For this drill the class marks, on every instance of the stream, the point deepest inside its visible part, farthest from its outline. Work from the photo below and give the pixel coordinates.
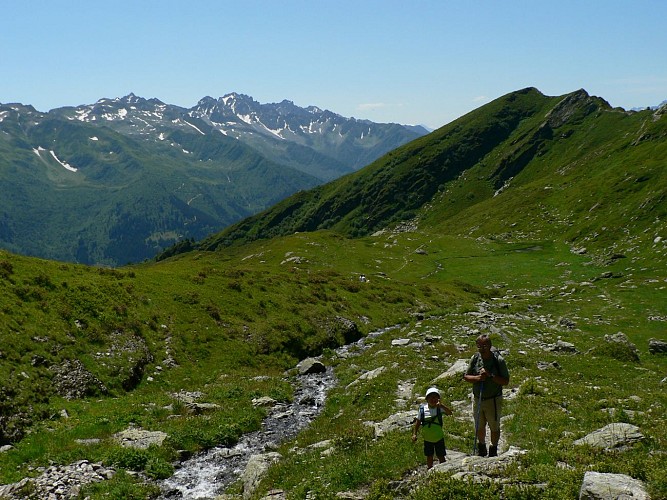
(207, 475)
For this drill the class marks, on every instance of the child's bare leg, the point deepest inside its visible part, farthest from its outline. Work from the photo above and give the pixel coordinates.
(442, 459)
(429, 461)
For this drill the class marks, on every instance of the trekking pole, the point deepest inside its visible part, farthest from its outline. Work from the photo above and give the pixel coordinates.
(479, 409)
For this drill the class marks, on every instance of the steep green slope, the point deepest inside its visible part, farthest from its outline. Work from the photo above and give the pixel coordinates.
(394, 187)
(525, 163)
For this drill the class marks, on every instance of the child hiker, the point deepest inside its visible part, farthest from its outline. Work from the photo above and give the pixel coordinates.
(429, 420)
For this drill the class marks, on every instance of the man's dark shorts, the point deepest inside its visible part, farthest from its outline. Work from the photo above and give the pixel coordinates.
(438, 448)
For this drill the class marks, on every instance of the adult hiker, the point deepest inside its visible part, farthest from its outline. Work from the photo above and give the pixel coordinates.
(488, 374)
(429, 419)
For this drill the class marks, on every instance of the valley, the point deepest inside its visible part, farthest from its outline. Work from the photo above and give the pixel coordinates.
(538, 220)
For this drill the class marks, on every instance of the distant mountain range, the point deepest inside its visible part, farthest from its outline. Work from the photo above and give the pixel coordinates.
(119, 180)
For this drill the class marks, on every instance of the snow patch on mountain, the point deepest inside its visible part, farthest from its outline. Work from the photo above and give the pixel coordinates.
(63, 163)
(188, 123)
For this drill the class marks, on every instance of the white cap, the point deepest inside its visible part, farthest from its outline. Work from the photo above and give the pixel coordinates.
(432, 390)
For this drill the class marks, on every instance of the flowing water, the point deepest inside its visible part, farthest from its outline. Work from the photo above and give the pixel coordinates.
(207, 475)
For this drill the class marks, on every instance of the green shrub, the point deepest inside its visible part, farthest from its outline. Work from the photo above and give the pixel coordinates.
(121, 487)
(158, 468)
(128, 458)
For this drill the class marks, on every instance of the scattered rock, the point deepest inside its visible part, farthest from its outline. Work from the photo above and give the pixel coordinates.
(187, 397)
(71, 380)
(601, 486)
(58, 482)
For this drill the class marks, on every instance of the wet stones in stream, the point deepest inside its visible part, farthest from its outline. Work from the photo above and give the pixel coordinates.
(207, 475)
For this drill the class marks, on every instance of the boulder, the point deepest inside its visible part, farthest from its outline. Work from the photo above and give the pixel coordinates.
(458, 462)
(612, 437)
(561, 346)
(622, 347)
(139, 438)
(402, 420)
(367, 376)
(657, 346)
(263, 401)
(255, 470)
(601, 486)
(201, 408)
(310, 365)
(458, 369)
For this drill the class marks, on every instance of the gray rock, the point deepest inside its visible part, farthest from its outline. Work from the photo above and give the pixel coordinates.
(263, 401)
(657, 346)
(567, 323)
(543, 365)
(311, 365)
(561, 346)
(367, 376)
(139, 438)
(255, 470)
(600, 486)
(621, 338)
(613, 436)
(474, 466)
(456, 370)
(402, 420)
(200, 408)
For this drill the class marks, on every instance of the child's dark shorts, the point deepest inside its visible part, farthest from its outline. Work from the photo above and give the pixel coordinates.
(438, 448)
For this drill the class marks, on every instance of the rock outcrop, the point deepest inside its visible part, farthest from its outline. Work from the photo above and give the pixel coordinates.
(599, 486)
(615, 436)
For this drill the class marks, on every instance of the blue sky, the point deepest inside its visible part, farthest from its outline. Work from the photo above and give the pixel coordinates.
(408, 61)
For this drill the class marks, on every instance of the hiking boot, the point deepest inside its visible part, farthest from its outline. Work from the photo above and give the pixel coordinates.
(481, 449)
(493, 451)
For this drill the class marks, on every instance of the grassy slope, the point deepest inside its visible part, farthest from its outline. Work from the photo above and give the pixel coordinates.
(242, 311)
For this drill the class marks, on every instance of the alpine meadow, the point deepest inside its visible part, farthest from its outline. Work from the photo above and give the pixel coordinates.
(539, 220)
